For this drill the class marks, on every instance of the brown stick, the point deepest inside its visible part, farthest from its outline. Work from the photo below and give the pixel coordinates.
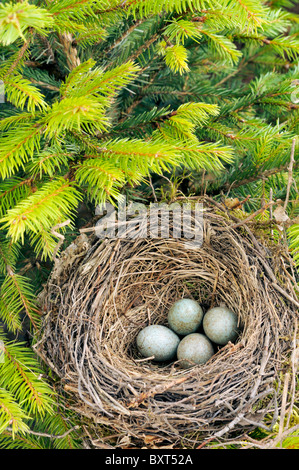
(59, 235)
(239, 203)
(158, 389)
(282, 291)
(70, 51)
(44, 85)
(252, 216)
(283, 406)
(52, 436)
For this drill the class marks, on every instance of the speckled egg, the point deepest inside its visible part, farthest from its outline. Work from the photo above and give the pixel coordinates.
(185, 316)
(158, 341)
(195, 348)
(220, 325)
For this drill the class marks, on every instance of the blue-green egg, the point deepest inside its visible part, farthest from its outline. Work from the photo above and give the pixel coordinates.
(195, 348)
(185, 316)
(158, 341)
(220, 324)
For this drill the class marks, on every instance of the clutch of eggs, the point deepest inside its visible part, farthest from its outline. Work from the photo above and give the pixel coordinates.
(161, 343)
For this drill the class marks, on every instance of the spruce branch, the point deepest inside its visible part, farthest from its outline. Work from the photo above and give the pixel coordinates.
(11, 414)
(21, 379)
(144, 46)
(54, 201)
(17, 149)
(13, 190)
(17, 19)
(17, 296)
(16, 62)
(259, 175)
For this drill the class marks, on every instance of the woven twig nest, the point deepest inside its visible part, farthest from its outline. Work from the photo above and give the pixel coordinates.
(103, 292)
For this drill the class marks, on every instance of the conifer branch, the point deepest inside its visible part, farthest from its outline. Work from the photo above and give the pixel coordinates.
(11, 413)
(18, 58)
(264, 174)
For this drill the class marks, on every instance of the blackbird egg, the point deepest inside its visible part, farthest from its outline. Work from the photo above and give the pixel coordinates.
(220, 325)
(158, 341)
(194, 349)
(185, 316)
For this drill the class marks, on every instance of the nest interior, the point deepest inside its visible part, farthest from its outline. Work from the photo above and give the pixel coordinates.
(103, 292)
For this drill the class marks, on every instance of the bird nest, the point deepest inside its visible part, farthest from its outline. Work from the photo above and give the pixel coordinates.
(102, 292)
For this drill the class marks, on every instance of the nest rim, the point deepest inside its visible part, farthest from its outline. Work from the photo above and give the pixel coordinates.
(94, 316)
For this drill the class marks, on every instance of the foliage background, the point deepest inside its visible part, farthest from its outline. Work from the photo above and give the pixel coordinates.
(154, 100)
